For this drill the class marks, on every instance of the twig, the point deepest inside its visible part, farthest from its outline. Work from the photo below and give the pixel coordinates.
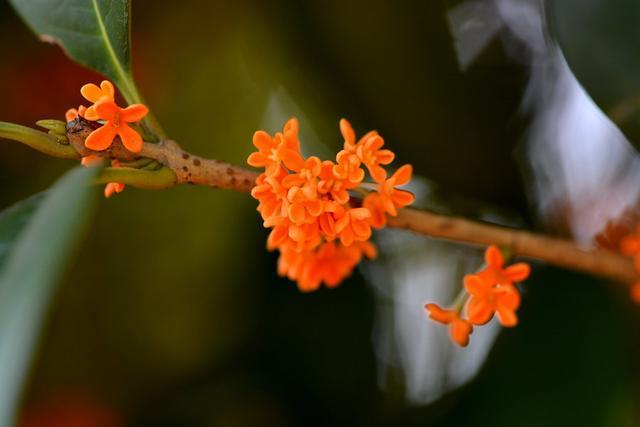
(183, 167)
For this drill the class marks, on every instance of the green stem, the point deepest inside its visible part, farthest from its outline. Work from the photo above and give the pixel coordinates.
(37, 140)
(137, 164)
(150, 180)
(460, 300)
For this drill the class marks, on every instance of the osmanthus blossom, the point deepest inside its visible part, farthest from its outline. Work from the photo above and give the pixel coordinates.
(95, 94)
(114, 122)
(459, 328)
(320, 228)
(491, 291)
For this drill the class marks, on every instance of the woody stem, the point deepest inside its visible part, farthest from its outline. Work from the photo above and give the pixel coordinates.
(180, 167)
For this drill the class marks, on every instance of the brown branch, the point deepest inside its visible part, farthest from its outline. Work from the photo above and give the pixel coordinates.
(555, 251)
(213, 173)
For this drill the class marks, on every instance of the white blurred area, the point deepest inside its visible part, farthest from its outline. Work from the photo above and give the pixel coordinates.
(581, 173)
(583, 170)
(410, 271)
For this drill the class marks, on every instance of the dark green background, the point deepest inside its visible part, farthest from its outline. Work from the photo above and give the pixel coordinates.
(173, 314)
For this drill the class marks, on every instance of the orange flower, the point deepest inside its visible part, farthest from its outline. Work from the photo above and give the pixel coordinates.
(73, 113)
(488, 292)
(329, 264)
(366, 151)
(95, 94)
(332, 185)
(388, 199)
(283, 148)
(112, 188)
(271, 193)
(348, 169)
(352, 225)
(487, 299)
(372, 156)
(91, 160)
(459, 328)
(496, 274)
(117, 120)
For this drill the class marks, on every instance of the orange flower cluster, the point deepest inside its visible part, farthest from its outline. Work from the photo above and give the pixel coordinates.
(490, 291)
(115, 123)
(630, 246)
(321, 231)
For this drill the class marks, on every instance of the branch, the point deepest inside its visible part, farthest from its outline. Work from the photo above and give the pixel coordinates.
(182, 167)
(555, 251)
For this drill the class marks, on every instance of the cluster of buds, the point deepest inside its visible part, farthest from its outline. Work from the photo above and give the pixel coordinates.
(320, 228)
(491, 291)
(114, 122)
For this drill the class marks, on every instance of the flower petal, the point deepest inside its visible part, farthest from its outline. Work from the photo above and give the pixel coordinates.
(507, 317)
(360, 213)
(106, 110)
(517, 272)
(493, 257)
(402, 198)
(101, 138)
(479, 311)
(131, 139)
(91, 160)
(91, 92)
(347, 236)
(297, 213)
(385, 157)
(91, 114)
(107, 89)
(263, 141)
(403, 175)
(134, 113)
(277, 236)
(347, 132)
(291, 125)
(291, 159)
(439, 314)
(475, 285)
(258, 160)
(460, 331)
(377, 173)
(71, 114)
(507, 297)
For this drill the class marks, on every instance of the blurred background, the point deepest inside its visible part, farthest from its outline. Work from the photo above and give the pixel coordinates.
(173, 314)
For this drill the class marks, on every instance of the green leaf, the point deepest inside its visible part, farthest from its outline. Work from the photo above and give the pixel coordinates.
(41, 247)
(599, 39)
(95, 33)
(13, 220)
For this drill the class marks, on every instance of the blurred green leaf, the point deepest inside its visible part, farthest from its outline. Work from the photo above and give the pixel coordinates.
(51, 230)
(13, 220)
(599, 40)
(95, 33)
